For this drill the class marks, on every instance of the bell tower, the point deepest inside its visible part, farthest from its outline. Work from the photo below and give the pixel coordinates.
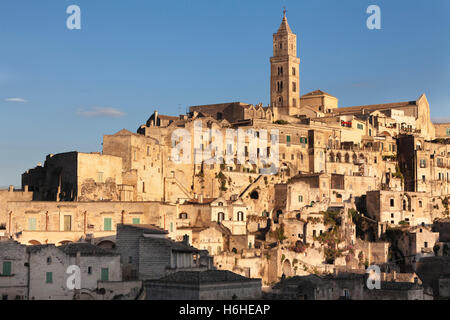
(284, 71)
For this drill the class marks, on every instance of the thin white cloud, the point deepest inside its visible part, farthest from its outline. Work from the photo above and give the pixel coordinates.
(441, 120)
(21, 100)
(104, 112)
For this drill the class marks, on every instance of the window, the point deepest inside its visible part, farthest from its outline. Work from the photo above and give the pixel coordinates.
(49, 277)
(346, 294)
(448, 132)
(183, 215)
(105, 274)
(425, 244)
(136, 221)
(143, 187)
(423, 179)
(280, 71)
(148, 151)
(107, 224)
(6, 268)
(67, 223)
(293, 73)
(240, 216)
(171, 227)
(360, 126)
(100, 177)
(49, 260)
(220, 216)
(300, 198)
(135, 155)
(420, 203)
(288, 141)
(392, 203)
(89, 270)
(392, 215)
(294, 87)
(294, 102)
(32, 224)
(423, 163)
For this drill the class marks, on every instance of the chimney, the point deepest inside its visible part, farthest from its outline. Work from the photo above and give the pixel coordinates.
(25, 188)
(394, 276)
(186, 239)
(11, 188)
(201, 198)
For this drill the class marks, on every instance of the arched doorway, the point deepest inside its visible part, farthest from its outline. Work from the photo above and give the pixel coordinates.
(287, 268)
(106, 244)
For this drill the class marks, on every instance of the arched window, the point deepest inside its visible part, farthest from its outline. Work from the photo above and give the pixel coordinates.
(220, 204)
(240, 216)
(183, 215)
(347, 158)
(220, 216)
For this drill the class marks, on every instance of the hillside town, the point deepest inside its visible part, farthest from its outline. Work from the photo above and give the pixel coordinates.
(295, 200)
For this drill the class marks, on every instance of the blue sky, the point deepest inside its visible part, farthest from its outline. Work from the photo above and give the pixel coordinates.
(61, 90)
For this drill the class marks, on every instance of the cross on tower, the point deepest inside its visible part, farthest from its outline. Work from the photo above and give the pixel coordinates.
(284, 11)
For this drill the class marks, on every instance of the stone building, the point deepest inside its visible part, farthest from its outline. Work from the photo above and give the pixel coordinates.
(11, 195)
(416, 243)
(62, 222)
(397, 207)
(40, 272)
(442, 130)
(76, 176)
(14, 271)
(204, 285)
(147, 253)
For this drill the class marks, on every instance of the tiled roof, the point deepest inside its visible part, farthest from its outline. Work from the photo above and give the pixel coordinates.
(284, 27)
(317, 93)
(174, 245)
(204, 277)
(204, 201)
(390, 285)
(372, 107)
(85, 249)
(37, 248)
(147, 228)
(164, 117)
(304, 281)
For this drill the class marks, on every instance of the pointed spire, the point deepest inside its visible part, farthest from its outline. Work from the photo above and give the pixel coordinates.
(284, 27)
